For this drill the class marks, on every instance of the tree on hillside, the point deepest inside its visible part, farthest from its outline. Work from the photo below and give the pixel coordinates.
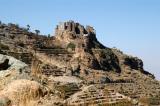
(49, 35)
(28, 27)
(37, 31)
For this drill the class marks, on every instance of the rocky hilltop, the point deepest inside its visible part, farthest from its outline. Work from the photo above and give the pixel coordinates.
(70, 68)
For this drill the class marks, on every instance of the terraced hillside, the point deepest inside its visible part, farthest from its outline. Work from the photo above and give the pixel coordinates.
(72, 68)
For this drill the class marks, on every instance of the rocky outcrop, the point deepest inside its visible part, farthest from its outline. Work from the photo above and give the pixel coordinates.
(107, 60)
(130, 62)
(8, 62)
(134, 63)
(15, 69)
(87, 48)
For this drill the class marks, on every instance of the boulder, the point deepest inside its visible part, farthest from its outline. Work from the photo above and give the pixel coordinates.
(9, 62)
(12, 69)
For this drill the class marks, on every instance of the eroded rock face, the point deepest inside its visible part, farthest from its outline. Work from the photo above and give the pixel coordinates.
(134, 63)
(86, 46)
(107, 60)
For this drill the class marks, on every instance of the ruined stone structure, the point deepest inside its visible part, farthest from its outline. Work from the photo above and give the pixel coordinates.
(74, 27)
(76, 33)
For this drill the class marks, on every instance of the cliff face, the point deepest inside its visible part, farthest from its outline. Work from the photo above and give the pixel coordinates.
(72, 60)
(87, 48)
(90, 51)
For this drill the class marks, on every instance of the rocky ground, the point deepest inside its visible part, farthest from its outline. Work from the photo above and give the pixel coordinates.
(68, 69)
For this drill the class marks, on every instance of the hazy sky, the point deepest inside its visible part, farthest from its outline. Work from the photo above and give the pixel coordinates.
(133, 26)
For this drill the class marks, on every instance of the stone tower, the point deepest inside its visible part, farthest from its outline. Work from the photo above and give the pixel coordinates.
(73, 32)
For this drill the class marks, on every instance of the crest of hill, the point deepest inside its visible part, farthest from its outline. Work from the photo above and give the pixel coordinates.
(88, 51)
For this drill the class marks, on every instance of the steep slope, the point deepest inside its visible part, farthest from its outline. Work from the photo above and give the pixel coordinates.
(87, 48)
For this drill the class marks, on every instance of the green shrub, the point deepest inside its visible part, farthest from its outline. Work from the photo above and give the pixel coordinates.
(71, 45)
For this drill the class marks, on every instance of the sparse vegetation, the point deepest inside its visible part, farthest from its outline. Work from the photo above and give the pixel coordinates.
(37, 31)
(28, 27)
(71, 46)
(49, 36)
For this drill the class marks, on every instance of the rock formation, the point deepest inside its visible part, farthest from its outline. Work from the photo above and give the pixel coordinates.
(87, 48)
(70, 68)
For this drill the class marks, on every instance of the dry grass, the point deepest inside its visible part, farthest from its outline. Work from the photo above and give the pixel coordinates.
(144, 101)
(36, 68)
(29, 103)
(7, 78)
(22, 92)
(36, 71)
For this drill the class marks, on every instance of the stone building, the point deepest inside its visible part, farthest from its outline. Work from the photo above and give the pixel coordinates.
(74, 27)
